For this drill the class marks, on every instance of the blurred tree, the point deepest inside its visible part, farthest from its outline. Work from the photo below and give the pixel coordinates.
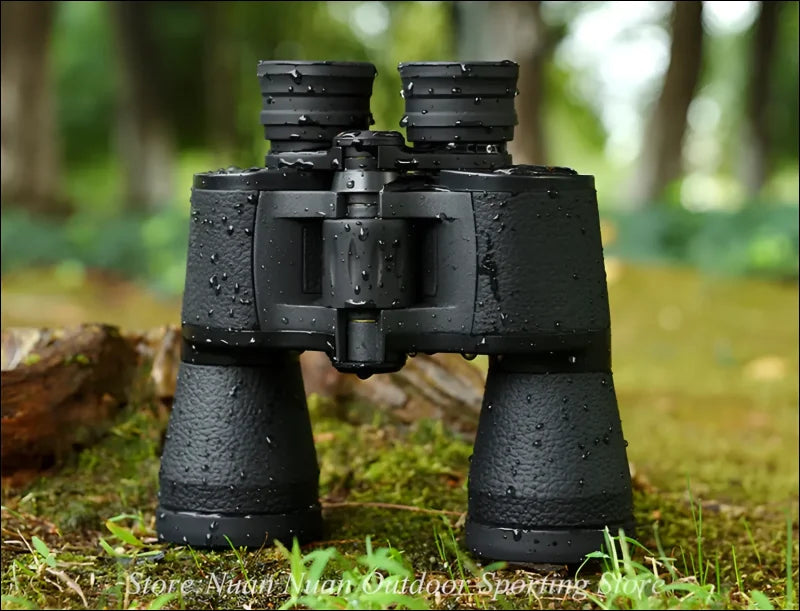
(30, 152)
(661, 158)
(220, 63)
(757, 138)
(145, 139)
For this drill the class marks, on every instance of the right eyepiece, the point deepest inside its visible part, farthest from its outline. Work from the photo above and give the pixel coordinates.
(450, 103)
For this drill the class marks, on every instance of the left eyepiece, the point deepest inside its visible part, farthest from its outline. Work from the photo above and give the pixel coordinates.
(305, 104)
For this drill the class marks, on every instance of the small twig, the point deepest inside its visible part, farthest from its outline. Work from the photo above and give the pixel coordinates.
(391, 506)
(72, 585)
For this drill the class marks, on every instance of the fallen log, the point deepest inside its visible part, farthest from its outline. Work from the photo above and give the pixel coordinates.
(59, 389)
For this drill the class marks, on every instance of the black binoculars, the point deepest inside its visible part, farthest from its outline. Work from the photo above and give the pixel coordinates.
(354, 243)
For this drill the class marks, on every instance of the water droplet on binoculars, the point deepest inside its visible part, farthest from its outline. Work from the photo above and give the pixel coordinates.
(296, 75)
(229, 229)
(510, 491)
(517, 534)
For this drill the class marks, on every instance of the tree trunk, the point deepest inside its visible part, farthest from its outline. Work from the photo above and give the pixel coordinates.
(661, 158)
(756, 144)
(29, 161)
(220, 76)
(512, 30)
(144, 134)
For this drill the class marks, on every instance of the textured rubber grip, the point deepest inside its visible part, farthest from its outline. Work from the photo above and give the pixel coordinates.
(540, 262)
(549, 456)
(239, 444)
(219, 268)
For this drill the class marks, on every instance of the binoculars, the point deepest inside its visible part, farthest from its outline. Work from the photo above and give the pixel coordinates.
(354, 243)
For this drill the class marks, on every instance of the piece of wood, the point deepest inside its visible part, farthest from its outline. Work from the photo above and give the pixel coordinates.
(64, 389)
(440, 386)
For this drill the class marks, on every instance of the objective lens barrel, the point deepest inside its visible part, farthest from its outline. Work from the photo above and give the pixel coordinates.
(461, 103)
(305, 104)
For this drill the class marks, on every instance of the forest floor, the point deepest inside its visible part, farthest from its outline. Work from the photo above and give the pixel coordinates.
(706, 376)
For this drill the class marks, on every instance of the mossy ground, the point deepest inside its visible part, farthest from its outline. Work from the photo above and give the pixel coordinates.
(706, 374)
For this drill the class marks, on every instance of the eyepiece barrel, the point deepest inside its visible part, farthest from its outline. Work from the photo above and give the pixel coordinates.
(448, 102)
(305, 104)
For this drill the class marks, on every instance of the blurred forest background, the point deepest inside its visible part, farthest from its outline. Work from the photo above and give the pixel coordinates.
(686, 112)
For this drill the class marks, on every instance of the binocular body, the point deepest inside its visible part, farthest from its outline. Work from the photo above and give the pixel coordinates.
(350, 242)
